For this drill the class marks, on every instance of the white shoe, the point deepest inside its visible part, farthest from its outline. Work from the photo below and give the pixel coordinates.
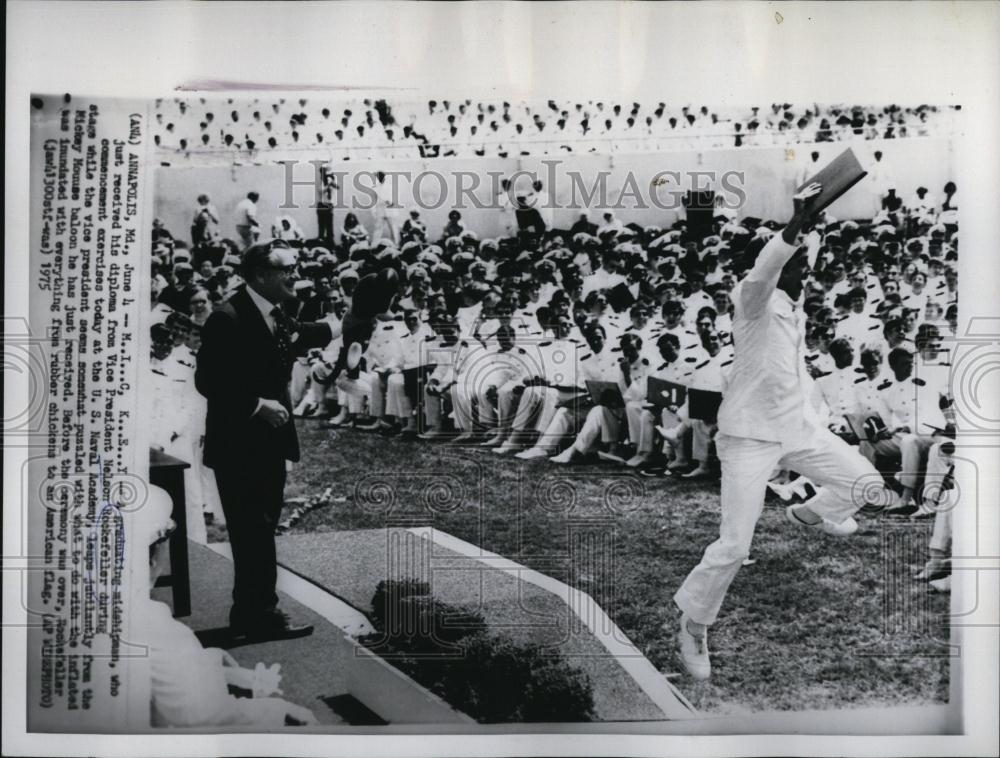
(845, 528)
(532, 453)
(305, 408)
(506, 448)
(566, 456)
(694, 652)
(637, 460)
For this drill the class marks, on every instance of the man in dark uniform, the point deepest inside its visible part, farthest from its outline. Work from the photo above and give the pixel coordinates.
(244, 367)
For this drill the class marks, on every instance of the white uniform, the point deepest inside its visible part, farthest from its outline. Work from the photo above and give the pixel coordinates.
(410, 355)
(837, 390)
(641, 421)
(562, 370)
(767, 420)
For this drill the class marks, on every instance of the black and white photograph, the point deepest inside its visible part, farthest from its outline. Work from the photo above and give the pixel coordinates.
(744, 332)
(510, 407)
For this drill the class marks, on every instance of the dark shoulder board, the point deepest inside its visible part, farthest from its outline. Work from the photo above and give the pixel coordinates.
(703, 363)
(692, 359)
(586, 357)
(918, 381)
(726, 363)
(859, 380)
(885, 385)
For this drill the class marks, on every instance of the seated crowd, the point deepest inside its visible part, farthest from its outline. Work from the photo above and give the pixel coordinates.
(377, 129)
(598, 342)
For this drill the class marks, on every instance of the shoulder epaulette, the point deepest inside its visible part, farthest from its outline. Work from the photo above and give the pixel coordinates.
(586, 357)
(885, 385)
(692, 359)
(859, 380)
(157, 371)
(703, 363)
(726, 363)
(919, 382)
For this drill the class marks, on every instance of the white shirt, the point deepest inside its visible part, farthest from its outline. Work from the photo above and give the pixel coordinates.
(246, 212)
(767, 395)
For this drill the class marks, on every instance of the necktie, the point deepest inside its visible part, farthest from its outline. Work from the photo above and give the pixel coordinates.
(283, 337)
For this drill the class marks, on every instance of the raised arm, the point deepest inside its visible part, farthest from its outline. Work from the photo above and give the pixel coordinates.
(759, 284)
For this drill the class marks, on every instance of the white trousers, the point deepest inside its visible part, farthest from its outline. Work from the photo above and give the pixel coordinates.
(560, 425)
(546, 400)
(396, 402)
(602, 424)
(462, 395)
(513, 411)
(943, 501)
(299, 383)
(356, 391)
(747, 465)
(910, 449)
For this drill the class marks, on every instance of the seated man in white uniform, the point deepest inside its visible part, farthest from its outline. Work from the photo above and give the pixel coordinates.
(560, 379)
(605, 422)
(444, 353)
(599, 365)
(639, 413)
(767, 420)
(708, 376)
(398, 404)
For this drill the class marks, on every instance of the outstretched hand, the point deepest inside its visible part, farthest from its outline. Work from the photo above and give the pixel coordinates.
(804, 213)
(801, 200)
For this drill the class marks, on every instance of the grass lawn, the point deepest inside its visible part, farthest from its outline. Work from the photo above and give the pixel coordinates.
(816, 622)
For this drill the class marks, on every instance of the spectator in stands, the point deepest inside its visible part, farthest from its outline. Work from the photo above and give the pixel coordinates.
(247, 225)
(205, 227)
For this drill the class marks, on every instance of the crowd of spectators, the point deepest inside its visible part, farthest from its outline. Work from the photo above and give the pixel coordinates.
(545, 344)
(367, 129)
(606, 343)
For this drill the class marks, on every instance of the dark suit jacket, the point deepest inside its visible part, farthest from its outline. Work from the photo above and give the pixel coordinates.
(239, 363)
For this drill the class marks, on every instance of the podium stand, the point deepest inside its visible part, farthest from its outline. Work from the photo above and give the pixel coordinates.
(167, 472)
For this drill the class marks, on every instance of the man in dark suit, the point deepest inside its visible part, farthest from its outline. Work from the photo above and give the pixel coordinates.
(244, 365)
